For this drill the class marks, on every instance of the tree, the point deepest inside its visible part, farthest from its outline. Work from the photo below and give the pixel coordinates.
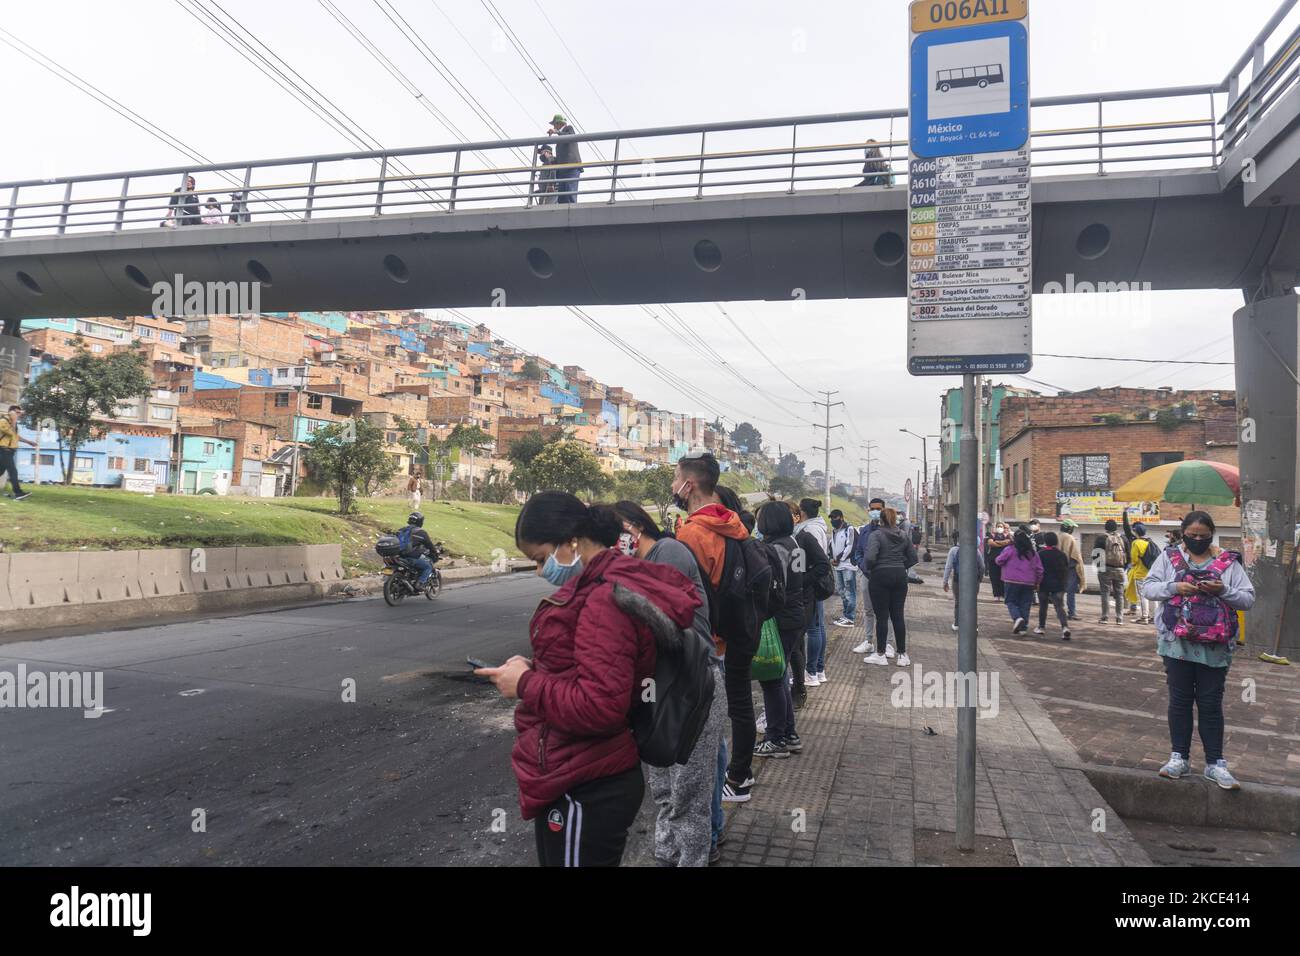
(532, 370)
(521, 454)
(748, 437)
(79, 393)
(349, 456)
(630, 485)
(786, 487)
(658, 484)
(567, 466)
(496, 487)
(840, 490)
(790, 466)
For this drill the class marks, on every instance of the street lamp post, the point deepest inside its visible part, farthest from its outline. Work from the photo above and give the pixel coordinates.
(925, 470)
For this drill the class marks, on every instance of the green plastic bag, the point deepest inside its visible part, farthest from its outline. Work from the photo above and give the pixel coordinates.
(769, 659)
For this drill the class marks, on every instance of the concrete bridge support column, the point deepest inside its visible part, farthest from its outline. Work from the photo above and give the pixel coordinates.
(1267, 342)
(14, 354)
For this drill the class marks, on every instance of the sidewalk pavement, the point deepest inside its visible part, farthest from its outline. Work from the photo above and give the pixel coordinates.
(873, 787)
(1105, 692)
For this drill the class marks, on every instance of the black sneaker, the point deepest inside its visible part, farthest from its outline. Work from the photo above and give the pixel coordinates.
(798, 702)
(793, 743)
(737, 792)
(769, 748)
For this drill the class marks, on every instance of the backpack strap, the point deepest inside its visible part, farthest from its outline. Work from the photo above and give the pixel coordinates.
(1178, 561)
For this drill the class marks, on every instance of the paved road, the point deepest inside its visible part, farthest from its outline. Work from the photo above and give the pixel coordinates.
(244, 718)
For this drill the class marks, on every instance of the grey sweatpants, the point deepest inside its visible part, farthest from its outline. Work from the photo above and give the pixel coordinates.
(684, 793)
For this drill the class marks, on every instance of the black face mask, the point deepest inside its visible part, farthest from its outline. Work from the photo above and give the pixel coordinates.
(1197, 545)
(838, 523)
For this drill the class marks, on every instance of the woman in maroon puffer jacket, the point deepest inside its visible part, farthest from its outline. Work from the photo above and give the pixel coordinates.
(575, 758)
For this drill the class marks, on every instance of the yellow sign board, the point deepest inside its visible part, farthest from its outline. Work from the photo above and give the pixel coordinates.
(941, 14)
(1098, 509)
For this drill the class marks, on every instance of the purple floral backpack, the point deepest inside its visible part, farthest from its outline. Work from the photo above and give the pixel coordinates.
(1203, 618)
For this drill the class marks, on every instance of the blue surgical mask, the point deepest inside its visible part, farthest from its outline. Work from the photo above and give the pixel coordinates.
(875, 515)
(557, 573)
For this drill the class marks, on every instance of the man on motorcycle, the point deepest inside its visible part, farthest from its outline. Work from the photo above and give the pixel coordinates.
(421, 549)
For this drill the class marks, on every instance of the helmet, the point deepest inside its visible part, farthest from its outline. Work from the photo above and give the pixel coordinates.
(415, 518)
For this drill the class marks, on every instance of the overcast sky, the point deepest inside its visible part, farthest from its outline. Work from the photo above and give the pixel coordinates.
(630, 65)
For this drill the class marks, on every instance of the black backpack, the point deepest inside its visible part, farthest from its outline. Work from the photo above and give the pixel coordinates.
(739, 605)
(824, 583)
(1150, 554)
(669, 716)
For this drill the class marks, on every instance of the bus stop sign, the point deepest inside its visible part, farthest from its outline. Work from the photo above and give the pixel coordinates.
(970, 212)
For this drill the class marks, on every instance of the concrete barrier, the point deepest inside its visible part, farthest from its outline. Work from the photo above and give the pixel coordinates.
(1142, 795)
(164, 572)
(221, 571)
(271, 567)
(43, 580)
(6, 602)
(324, 562)
(108, 576)
(41, 592)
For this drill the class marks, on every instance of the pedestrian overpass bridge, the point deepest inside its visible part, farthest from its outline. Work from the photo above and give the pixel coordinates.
(1182, 188)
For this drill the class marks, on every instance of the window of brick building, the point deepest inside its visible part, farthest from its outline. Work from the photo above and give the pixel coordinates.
(142, 465)
(315, 401)
(116, 464)
(1085, 471)
(1154, 459)
(1024, 474)
(281, 399)
(1015, 477)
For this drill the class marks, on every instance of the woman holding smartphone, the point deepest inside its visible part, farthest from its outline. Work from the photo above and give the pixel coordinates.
(575, 758)
(1196, 666)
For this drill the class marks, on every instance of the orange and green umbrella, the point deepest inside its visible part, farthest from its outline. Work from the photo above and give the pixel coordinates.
(1185, 482)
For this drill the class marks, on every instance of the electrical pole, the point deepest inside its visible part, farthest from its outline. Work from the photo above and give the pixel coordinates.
(828, 405)
(967, 616)
(866, 489)
(293, 434)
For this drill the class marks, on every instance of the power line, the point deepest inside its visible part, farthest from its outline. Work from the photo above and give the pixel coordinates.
(1109, 358)
(117, 106)
(754, 344)
(487, 66)
(591, 85)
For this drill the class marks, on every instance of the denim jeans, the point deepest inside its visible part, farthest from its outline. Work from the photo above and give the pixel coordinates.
(566, 185)
(848, 588)
(1019, 599)
(425, 565)
(817, 640)
(1191, 682)
(1071, 589)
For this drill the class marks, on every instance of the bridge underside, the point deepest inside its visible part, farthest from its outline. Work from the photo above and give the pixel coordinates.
(1175, 230)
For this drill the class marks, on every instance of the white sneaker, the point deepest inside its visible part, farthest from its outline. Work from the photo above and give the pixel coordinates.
(863, 647)
(876, 659)
(1038, 630)
(889, 650)
(954, 627)
(821, 677)
(903, 661)
(844, 622)
(761, 723)
(810, 680)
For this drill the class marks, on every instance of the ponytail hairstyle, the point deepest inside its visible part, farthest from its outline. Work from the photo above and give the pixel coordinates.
(889, 518)
(556, 517)
(1024, 544)
(810, 506)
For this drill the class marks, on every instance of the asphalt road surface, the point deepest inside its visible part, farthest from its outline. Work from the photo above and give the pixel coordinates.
(243, 718)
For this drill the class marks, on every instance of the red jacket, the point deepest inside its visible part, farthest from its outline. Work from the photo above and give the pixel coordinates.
(589, 659)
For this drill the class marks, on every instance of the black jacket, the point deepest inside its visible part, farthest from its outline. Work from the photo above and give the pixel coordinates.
(816, 565)
(421, 543)
(567, 152)
(1056, 569)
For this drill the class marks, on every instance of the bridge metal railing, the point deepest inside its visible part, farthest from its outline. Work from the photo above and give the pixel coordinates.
(1096, 134)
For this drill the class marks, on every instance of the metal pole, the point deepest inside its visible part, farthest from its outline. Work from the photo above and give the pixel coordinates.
(967, 619)
(925, 502)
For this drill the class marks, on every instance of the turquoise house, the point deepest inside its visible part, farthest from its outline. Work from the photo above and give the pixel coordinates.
(206, 462)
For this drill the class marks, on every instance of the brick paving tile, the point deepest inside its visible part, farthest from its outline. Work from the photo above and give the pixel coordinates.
(874, 769)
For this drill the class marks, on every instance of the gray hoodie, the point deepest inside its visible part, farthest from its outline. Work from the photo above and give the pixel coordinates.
(890, 548)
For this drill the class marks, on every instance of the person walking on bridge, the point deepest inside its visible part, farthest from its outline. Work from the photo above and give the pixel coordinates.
(568, 157)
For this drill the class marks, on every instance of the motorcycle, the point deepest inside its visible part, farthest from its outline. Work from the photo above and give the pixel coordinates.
(402, 576)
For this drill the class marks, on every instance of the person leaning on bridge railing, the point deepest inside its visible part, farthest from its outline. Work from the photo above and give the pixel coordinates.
(566, 155)
(545, 176)
(183, 207)
(876, 171)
